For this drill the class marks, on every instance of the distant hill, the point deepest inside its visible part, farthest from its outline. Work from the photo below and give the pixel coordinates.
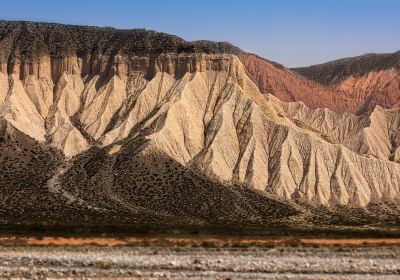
(368, 80)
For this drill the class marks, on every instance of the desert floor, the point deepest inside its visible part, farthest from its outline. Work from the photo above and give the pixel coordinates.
(203, 258)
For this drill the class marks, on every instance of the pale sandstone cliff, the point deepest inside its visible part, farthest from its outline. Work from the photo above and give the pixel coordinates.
(214, 118)
(203, 112)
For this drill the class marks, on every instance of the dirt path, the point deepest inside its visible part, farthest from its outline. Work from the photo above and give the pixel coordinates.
(54, 186)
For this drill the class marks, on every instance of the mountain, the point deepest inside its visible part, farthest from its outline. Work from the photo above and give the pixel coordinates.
(287, 85)
(368, 80)
(106, 126)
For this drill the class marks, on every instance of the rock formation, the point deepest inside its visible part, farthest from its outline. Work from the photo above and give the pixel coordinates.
(287, 85)
(367, 80)
(132, 125)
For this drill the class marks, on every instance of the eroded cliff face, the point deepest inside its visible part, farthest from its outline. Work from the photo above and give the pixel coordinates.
(67, 98)
(204, 112)
(148, 130)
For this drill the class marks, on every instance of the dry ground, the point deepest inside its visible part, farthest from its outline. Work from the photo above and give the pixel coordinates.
(201, 258)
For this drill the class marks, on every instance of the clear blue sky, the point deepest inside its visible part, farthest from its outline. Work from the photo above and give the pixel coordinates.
(292, 32)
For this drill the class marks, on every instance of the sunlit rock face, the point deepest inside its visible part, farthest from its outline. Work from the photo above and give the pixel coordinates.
(197, 105)
(361, 82)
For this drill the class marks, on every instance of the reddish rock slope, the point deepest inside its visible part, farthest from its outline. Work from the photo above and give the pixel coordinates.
(287, 85)
(368, 80)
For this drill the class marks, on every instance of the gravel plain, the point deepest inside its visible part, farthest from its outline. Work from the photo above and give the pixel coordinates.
(135, 262)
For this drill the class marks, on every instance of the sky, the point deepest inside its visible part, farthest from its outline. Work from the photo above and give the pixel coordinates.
(291, 32)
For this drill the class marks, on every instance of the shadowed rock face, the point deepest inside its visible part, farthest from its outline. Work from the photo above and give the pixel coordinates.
(50, 49)
(28, 41)
(337, 71)
(132, 133)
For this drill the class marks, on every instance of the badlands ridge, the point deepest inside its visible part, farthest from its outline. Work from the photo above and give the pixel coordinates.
(99, 125)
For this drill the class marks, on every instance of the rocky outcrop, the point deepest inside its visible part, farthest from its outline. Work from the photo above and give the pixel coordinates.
(145, 133)
(19, 110)
(373, 134)
(275, 79)
(217, 121)
(366, 80)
